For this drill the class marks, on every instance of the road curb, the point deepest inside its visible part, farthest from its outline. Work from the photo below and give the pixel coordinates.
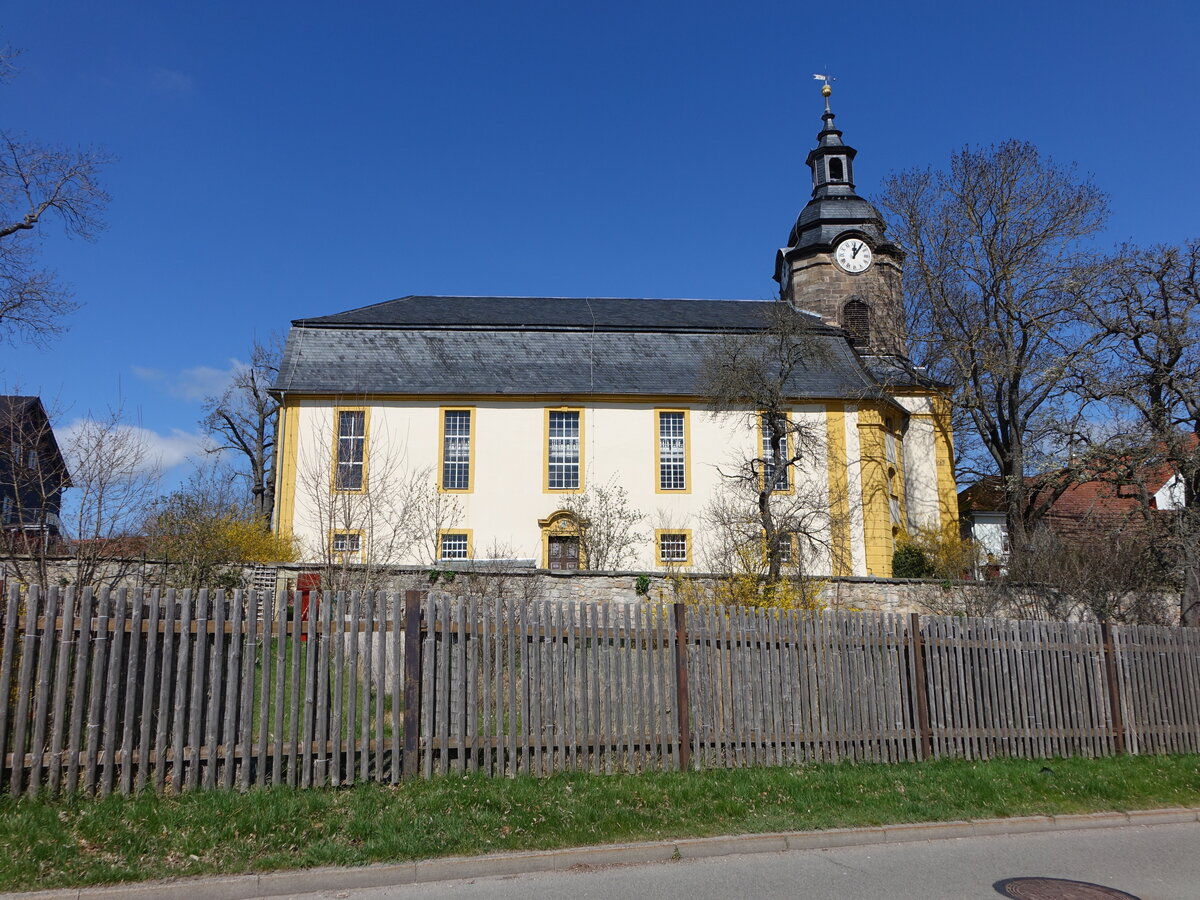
(451, 868)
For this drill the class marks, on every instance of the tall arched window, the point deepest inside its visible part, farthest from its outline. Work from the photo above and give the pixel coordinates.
(837, 172)
(856, 319)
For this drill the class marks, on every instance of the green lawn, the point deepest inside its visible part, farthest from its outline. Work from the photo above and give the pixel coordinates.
(46, 843)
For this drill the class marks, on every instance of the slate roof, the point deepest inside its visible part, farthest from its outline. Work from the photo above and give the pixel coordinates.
(557, 313)
(542, 345)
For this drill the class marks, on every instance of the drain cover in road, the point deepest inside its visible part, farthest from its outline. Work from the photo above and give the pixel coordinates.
(1057, 889)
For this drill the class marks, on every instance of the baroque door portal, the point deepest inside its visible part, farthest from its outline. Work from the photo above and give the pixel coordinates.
(563, 552)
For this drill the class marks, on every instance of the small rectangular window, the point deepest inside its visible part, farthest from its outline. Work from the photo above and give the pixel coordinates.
(346, 543)
(787, 548)
(672, 450)
(672, 547)
(456, 450)
(454, 545)
(783, 482)
(351, 450)
(562, 473)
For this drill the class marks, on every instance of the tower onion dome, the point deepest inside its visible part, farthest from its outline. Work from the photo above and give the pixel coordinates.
(834, 207)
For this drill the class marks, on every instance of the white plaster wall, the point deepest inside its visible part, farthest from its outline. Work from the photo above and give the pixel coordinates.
(508, 498)
(1171, 495)
(920, 474)
(988, 530)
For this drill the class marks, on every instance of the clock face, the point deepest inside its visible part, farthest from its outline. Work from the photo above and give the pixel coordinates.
(853, 255)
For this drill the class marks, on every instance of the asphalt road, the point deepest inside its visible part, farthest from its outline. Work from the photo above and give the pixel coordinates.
(1151, 862)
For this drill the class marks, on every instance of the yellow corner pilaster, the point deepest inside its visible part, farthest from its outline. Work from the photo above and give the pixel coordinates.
(839, 488)
(288, 450)
(877, 515)
(943, 444)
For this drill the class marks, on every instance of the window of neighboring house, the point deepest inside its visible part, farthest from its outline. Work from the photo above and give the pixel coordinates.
(768, 455)
(346, 543)
(351, 450)
(562, 468)
(456, 450)
(672, 450)
(32, 461)
(454, 545)
(6, 513)
(673, 547)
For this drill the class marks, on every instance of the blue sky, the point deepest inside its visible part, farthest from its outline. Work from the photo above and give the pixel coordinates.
(281, 160)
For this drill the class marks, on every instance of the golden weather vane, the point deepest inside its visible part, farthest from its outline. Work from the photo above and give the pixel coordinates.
(826, 90)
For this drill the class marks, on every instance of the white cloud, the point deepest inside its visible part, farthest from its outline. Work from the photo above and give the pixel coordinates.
(171, 81)
(162, 452)
(149, 374)
(193, 384)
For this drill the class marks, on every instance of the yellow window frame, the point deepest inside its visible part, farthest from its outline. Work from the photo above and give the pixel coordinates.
(687, 451)
(659, 533)
(441, 471)
(341, 556)
(546, 450)
(760, 447)
(333, 472)
(467, 532)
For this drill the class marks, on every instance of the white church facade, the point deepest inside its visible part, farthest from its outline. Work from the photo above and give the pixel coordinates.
(438, 429)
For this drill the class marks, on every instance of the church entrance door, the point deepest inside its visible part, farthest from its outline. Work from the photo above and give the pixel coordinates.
(564, 552)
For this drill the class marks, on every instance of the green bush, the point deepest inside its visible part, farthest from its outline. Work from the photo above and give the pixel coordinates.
(911, 562)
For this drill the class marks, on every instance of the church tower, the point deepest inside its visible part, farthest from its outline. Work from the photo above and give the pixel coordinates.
(838, 262)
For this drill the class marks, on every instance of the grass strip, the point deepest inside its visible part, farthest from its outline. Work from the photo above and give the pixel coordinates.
(79, 841)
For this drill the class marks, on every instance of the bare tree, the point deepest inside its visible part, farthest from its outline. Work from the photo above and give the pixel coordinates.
(40, 184)
(78, 509)
(358, 537)
(242, 419)
(1148, 378)
(996, 272)
(757, 377)
(114, 481)
(608, 526)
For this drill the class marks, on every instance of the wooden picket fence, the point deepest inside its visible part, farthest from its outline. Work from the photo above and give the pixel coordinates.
(116, 691)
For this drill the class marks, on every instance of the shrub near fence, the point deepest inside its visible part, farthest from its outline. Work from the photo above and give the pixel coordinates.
(117, 691)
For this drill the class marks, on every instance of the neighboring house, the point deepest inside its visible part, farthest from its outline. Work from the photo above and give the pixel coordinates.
(1094, 508)
(512, 406)
(33, 474)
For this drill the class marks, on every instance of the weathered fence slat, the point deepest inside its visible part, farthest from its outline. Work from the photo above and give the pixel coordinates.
(243, 741)
(150, 678)
(66, 641)
(397, 682)
(41, 706)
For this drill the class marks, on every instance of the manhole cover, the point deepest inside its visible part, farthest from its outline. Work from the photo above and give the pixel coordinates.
(1057, 889)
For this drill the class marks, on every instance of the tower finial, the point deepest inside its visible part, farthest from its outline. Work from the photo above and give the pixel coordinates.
(826, 90)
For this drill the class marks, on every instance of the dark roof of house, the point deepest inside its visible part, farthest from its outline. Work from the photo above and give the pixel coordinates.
(14, 404)
(23, 417)
(544, 345)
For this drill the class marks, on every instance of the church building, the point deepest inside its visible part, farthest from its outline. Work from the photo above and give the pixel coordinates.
(429, 429)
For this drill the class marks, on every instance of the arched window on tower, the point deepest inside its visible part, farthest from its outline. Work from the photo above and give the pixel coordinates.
(856, 319)
(837, 171)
